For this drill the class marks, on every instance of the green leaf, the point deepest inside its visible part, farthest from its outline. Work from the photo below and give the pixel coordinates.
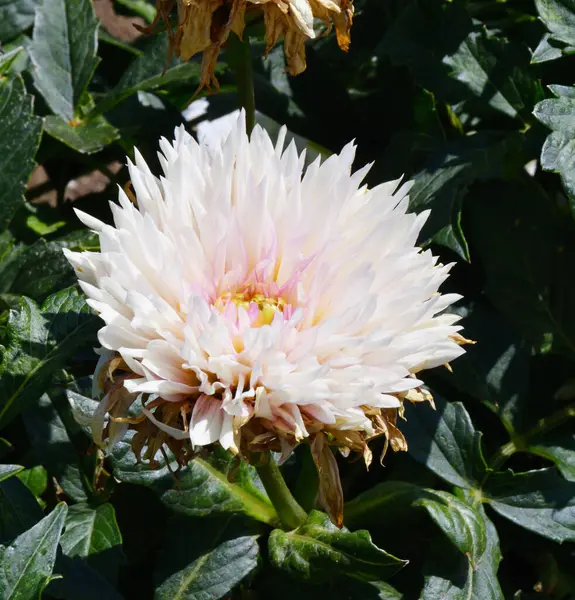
(558, 153)
(19, 509)
(39, 341)
(545, 51)
(147, 73)
(63, 53)
(128, 470)
(559, 449)
(93, 533)
(421, 36)
(36, 270)
(527, 259)
(445, 440)
(220, 484)
(540, 501)
(481, 64)
(58, 441)
(495, 371)
(20, 133)
(216, 484)
(462, 524)
(38, 226)
(144, 116)
(318, 550)
(26, 565)
(388, 497)
(8, 58)
(86, 137)
(7, 471)
(450, 168)
(205, 558)
(559, 18)
(15, 17)
(35, 479)
(365, 591)
(462, 565)
(274, 92)
(8, 248)
(87, 133)
(80, 241)
(21, 61)
(451, 235)
(472, 572)
(437, 42)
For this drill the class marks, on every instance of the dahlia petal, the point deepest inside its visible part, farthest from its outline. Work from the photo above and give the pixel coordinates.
(89, 221)
(98, 420)
(206, 422)
(105, 357)
(227, 432)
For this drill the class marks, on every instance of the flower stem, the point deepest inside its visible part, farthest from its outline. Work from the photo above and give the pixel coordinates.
(290, 512)
(240, 58)
(521, 443)
(501, 456)
(551, 422)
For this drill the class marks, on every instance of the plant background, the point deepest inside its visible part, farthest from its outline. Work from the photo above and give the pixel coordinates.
(474, 101)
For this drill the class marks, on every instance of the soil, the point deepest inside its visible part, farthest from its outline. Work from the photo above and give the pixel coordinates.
(117, 25)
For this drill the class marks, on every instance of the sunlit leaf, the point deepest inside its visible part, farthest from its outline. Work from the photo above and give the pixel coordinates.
(26, 565)
(38, 342)
(63, 53)
(20, 133)
(318, 550)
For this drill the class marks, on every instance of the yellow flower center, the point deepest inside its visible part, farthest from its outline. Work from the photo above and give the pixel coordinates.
(266, 306)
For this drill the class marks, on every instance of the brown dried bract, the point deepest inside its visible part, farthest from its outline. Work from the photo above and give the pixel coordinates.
(204, 26)
(330, 495)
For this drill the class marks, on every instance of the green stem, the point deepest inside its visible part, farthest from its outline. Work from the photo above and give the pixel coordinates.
(290, 512)
(501, 456)
(552, 421)
(240, 58)
(521, 443)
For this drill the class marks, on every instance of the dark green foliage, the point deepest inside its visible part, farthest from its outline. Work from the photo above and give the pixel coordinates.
(474, 101)
(20, 133)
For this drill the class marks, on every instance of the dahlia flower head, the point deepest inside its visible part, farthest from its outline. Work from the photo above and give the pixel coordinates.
(204, 26)
(254, 303)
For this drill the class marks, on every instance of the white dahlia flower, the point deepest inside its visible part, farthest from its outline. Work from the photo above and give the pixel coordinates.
(253, 303)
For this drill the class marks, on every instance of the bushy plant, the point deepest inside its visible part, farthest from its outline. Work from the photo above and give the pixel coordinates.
(474, 102)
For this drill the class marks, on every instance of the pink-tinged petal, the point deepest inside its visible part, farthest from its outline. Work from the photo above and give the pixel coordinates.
(320, 412)
(206, 422)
